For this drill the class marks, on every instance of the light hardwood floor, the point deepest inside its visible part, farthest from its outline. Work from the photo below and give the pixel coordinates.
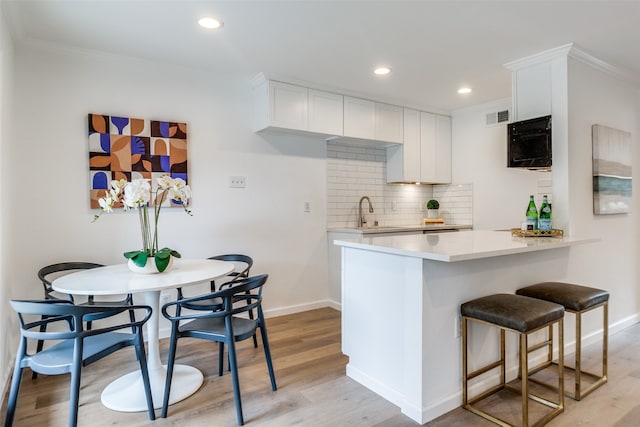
(312, 387)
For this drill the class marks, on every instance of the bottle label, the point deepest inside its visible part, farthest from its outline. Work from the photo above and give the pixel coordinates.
(545, 224)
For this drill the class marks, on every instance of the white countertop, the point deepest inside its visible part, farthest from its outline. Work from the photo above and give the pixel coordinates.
(460, 246)
(399, 228)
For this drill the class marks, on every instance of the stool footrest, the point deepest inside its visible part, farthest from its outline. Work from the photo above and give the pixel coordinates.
(555, 406)
(540, 345)
(484, 369)
(599, 380)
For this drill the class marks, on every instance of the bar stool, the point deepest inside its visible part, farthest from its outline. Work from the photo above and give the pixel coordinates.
(523, 316)
(578, 300)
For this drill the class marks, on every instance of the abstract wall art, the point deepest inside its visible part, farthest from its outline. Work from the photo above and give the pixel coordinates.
(130, 148)
(611, 170)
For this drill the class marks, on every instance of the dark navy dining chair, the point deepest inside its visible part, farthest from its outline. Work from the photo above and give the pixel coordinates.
(225, 325)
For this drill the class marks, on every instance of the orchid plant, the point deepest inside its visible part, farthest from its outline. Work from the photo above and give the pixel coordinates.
(138, 195)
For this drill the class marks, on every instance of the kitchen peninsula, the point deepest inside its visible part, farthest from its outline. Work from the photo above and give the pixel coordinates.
(400, 305)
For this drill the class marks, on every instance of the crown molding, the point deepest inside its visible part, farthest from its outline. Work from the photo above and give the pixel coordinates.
(544, 56)
(570, 50)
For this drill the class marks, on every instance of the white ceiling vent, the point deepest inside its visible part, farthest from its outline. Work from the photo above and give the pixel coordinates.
(497, 117)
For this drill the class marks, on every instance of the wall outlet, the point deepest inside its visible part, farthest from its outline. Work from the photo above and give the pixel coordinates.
(237, 182)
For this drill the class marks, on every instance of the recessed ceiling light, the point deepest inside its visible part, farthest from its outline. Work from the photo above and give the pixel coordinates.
(464, 90)
(209, 22)
(381, 71)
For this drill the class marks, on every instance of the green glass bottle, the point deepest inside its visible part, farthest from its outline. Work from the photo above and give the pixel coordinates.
(532, 213)
(545, 215)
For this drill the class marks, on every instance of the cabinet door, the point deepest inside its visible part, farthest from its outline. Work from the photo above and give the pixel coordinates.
(359, 118)
(388, 123)
(403, 161)
(443, 149)
(435, 148)
(427, 147)
(288, 106)
(325, 112)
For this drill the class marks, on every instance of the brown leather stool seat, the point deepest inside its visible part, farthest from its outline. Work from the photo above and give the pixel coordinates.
(576, 299)
(523, 316)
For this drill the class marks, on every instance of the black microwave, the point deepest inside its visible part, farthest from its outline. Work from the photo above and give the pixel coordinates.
(529, 143)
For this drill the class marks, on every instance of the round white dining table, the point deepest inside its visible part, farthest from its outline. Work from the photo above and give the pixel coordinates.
(126, 393)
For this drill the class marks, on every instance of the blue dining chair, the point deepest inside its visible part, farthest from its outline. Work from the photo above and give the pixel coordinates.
(224, 326)
(243, 264)
(77, 346)
(50, 272)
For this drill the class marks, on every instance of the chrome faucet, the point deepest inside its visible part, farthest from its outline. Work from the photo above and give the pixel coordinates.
(362, 221)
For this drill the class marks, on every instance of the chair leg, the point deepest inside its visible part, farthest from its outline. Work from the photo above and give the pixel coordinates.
(267, 355)
(142, 358)
(40, 345)
(13, 394)
(255, 338)
(132, 317)
(220, 358)
(170, 362)
(234, 373)
(76, 371)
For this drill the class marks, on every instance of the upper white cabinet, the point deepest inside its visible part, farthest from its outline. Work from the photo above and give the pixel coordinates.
(425, 155)
(295, 108)
(288, 106)
(325, 112)
(364, 119)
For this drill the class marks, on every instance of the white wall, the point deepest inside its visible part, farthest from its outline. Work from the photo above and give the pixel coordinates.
(599, 98)
(7, 322)
(479, 153)
(50, 219)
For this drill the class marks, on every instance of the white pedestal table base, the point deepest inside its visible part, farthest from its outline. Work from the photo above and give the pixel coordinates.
(126, 394)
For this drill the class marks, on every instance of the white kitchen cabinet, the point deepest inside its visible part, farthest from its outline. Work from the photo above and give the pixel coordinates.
(288, 107)
(325, 112)
(389, 123)
(369, 120)
(359, 118)
(425, 155)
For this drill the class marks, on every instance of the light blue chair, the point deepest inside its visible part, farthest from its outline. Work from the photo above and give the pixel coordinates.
(77, 347)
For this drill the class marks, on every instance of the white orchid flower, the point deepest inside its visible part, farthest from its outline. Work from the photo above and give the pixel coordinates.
(164, 182)
(137, 193)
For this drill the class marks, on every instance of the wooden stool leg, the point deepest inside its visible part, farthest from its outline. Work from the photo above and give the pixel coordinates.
(605, 338)
(561, 364)
(578, 364)
(503, 358)
(524, 363)
(464, 362)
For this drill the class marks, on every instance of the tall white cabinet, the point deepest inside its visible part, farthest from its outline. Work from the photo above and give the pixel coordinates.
(425, 155)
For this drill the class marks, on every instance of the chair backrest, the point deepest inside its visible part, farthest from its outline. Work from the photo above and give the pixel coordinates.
(241, 291)
(35, 313)
(61, 267)
(243, 264)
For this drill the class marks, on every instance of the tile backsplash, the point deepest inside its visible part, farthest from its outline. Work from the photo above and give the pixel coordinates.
(354, 172)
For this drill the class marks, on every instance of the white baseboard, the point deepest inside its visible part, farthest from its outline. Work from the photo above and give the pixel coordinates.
(165, 331)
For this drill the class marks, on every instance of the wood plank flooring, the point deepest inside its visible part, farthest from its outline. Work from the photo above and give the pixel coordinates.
(312, 387)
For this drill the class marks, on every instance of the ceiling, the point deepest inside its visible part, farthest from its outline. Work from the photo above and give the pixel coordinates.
(433, 47)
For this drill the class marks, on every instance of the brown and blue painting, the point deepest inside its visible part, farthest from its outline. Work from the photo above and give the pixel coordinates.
(129, 148)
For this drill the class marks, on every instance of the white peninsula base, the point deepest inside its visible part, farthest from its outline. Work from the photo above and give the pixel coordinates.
(400, 307)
